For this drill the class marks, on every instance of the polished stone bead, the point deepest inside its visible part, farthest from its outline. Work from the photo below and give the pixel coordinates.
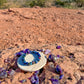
(36, 61)
(61, 76)
(11, 72)
(58, 69)
(23, 81)
(30, 63)
(54, 81)
(58, 47)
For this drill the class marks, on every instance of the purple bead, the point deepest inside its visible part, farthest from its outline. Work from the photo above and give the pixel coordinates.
(50, 57)
(47, 51)
(23, 81)
(1, 69)
(58, 47)
(54, 81)
(0, 82)
(37, 72)
(58, 69)
(18, 54)
(26, 51)
(36, 77)
(11, 72)
(3, 74)
(58, 56)
(32, 79)
(61, 76)
(62, 56)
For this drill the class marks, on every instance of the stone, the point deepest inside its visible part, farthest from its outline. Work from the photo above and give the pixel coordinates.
(47, 51)
(61, 76)
(11, 72)
(3, 74)
(58, 47)
(23, 81)
(58, 69)
(54, 81)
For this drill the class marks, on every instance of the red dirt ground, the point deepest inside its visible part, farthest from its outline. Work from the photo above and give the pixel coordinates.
(44, 28)
(41, 25)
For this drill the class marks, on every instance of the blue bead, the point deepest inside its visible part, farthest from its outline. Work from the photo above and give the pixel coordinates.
(36, 61)
(58, 69)
(61, 76)
(30, 63)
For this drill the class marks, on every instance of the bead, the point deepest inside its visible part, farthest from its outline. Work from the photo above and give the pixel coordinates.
(47, 51)
(54, 81)
(36, 72)
(32, 79)
(26, 51)
(58, 69)
(50, 57)
(23, 81)
(36, 61)
(61, 76)
(11, 72)
(58, 47)
(1, 69)
(30, 63)
(18, 54)
(54, 59)
(3, 74)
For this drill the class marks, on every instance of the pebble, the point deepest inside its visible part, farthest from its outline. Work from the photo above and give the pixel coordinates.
(61, 76)
(3, 74)
(58, 47)
(34, 79)
(26, 51)
(23, 81)
(1, 69)
(11, 72)
(18, 54)
(47, 51)
(51, 65)
(54, 81)
(37, 72)
(54, 58)
(58, 69)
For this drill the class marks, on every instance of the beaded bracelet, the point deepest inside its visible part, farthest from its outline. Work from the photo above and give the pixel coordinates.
(36, 60)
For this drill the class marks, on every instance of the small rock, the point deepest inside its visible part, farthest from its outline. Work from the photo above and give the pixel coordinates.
(54, 81)
(3, 74)
(61, 76)
(1, 69)
(80, 13)
(51, 65)
(58, 47)
(58, 69)
(37, 72)
(23, 81)
(11, 72)
(47, 51)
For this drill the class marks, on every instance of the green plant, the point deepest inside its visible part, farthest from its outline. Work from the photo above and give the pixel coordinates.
(80, 3)
(2, 2)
